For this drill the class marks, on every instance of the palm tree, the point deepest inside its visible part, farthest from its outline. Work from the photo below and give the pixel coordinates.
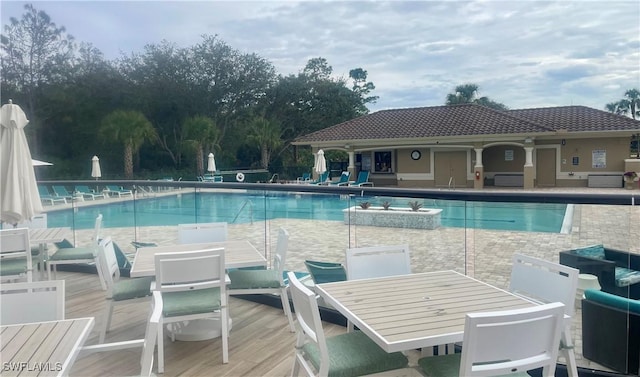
(468, 93)
(267, 136)
(132, 129)
(629, 105)
(200, 132)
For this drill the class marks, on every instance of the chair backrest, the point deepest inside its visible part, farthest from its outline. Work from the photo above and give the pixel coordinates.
(308, 324)
(378, 261)
(43, 191)
(97, 226)
(544, 281)
(60, 190)
(202, 233)
(505, 342)
(36, 301)
(108, 263)
(325, 272)
(363, 177)
(280, 256)
(14, 242)
(344, 177)
(190, 270)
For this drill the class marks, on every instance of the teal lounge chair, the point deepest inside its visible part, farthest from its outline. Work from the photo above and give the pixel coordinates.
(363, 180)
(87, 193)
(113, 190)
(322, 180)
(61, 192)
(46, 197)
(344, 179)
(305, 177)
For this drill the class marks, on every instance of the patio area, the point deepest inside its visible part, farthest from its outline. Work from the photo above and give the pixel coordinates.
(260, 343)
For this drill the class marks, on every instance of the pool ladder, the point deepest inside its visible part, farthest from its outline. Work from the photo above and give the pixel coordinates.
(242, 207)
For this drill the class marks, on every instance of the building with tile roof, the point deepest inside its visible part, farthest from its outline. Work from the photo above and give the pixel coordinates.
(470, 145)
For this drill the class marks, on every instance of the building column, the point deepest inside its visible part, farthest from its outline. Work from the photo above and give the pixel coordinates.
(352, 165)
(478, 170)
(528, 171)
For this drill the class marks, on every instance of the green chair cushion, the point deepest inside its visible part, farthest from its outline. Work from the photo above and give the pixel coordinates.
(355, 354)
(73, 253)
(127, 289)
(594, 251)
(614, 301)
(190, 302)
(625, 276)
(326, 272)
(248, 279)
(13, 266)
(449, 366)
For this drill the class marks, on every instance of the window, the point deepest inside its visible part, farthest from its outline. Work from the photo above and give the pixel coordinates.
(382, 162)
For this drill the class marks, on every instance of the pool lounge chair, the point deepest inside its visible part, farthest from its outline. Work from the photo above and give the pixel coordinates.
(61, 192)
(306, 177)
(322, 180)
(87, 193)
(46, 197)
(113, 190)
(363, 180)
(344, 179)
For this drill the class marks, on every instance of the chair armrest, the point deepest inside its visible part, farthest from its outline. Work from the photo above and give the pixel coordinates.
(602, 268)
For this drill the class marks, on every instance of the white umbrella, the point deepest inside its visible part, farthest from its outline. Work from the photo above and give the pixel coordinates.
(321, 164)
(35, 162)
(95, 168)
(211, 164)
(19, 198)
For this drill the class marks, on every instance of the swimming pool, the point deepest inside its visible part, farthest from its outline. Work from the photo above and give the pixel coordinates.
(244, 208)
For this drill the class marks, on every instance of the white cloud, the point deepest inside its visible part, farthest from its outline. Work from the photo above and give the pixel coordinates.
(521, 53)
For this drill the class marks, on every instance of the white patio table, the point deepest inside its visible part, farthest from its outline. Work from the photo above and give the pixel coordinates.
(237, 254)
(415, 311)
(43, 348)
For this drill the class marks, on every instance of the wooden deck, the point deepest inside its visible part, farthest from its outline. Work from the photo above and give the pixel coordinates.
(260, 343)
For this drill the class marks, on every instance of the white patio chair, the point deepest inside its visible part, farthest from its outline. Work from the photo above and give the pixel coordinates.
(148, 344)
(270, 281)
(74, 255)
(508, 342)
(118, 291)
(202, 233)
(544, 282)
(191, 285)
(36, 301)
(349, 354)
(377, 261)
(15, 255)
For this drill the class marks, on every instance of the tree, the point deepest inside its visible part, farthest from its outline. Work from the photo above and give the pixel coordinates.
(35, 52)
(362, 88)
(200, 132)
(131, 129)
(629, 105)
(266, 135)
(468, 93)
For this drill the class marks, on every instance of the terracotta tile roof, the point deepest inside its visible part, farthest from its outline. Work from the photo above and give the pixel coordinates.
(577, 119)
(469, 120)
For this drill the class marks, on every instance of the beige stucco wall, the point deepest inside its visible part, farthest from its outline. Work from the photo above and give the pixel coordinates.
(493, 159)
(617, 150)
(406, 164)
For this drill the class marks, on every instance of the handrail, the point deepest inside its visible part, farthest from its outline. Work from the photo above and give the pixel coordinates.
(244, 204)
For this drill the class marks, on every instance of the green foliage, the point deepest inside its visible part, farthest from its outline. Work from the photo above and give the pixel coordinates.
(468, 93)
(365, 205)
(386, 204)
(415, 206)
(629, 105)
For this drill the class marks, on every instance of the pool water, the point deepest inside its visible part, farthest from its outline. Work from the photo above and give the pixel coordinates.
(243, 208)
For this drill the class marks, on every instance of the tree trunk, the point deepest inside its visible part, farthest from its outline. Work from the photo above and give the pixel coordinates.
(128, 161)
(200, 162)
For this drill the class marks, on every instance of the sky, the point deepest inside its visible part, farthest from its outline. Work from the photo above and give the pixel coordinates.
(522, 53)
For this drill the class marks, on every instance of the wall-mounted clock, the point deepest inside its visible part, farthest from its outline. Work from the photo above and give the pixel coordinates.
(416, 154)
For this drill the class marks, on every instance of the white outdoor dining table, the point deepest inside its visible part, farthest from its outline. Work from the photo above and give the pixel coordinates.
(42, 348)
(237, 254)
(414, 311)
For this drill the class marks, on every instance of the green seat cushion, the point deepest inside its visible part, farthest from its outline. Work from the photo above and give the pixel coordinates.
(190, 302)
(127, 289)
(594, 251)
(449, 366)
(73, 253)
(326, 272)
(625, 276)
(13, 266)
(248, 279)
(354, 354)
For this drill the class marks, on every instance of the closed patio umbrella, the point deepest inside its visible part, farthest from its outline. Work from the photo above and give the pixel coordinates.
(35, 162)
(211, 163)
(95, 168)
(19, 198)
(321, 164)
